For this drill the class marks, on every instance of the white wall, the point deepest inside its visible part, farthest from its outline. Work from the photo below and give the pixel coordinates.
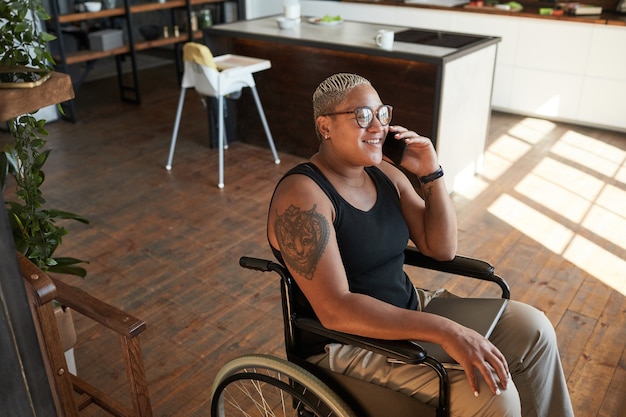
(260, 8)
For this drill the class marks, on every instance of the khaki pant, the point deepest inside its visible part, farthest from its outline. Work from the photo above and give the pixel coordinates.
(526, 338)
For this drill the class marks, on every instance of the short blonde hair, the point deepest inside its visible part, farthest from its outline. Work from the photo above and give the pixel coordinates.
(332, 91)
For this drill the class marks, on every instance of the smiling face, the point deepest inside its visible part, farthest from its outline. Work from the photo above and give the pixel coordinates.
(346, 139)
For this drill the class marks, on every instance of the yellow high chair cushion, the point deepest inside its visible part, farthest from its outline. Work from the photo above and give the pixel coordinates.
(198, 53)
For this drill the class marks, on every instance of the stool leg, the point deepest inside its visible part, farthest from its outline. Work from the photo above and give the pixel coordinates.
(220, 140)
(181, 101)
(226, 108)
(270, 140)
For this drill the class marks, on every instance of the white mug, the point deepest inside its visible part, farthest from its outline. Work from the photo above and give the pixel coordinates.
(384, 38)
(292, 11)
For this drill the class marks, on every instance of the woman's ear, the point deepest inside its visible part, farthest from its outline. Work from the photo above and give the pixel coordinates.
(322, 126)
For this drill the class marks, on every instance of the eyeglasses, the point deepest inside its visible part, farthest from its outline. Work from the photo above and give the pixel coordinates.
(364, 116)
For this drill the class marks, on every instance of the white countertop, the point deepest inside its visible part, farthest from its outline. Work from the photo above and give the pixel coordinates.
(346, 34)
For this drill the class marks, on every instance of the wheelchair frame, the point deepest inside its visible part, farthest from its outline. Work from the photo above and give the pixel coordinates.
(342, 395)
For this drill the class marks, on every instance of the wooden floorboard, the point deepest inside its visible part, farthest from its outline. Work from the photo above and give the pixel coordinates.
(548, 211)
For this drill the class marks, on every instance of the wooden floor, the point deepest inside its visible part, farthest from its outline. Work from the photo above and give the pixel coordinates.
(548, 211)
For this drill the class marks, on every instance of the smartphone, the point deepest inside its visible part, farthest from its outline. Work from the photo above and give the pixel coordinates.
(394, 148)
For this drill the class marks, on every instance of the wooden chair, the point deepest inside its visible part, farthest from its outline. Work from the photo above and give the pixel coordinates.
(71, 393)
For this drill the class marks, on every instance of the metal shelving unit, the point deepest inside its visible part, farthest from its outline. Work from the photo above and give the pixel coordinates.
(129, 89)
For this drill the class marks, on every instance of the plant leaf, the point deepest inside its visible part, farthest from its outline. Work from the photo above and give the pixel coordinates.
(66, 215)
(68, 266)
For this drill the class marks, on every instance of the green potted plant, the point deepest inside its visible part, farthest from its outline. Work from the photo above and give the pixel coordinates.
(35, 230)
(26, 63)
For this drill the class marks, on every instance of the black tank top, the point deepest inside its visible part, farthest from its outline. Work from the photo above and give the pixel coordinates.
(371, 242)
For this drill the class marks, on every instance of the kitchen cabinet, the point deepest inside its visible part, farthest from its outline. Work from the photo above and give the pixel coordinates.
(603, 94)
(570, 70)
(127, 11)
(549, 68)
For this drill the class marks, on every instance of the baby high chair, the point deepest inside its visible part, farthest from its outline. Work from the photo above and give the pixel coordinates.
(218, 77)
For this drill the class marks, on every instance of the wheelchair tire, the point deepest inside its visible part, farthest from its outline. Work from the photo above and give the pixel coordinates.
(262, 385)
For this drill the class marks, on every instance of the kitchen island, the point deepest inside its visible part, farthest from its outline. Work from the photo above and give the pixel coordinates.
(439, 83)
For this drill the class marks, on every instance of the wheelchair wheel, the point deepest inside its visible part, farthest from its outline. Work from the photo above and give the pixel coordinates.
(261, 385)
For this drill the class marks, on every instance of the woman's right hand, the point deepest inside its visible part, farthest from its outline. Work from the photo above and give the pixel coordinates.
(475, 352)
(420, 157)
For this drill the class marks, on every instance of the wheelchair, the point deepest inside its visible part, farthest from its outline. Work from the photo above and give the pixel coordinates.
(262, 385)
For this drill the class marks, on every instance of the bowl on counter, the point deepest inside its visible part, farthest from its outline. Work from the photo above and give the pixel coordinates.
(150, 32)
(285, 23)
(93, 6)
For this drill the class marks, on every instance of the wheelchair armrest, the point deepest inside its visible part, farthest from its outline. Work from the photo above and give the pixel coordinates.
(460, 265)
(401, 350)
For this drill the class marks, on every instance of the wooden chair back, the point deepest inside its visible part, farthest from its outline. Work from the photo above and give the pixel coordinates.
(70, 392)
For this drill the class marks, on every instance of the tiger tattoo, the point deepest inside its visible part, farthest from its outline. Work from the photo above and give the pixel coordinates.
(302, 237)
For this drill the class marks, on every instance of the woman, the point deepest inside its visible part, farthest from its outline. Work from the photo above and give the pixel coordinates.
(340, 224)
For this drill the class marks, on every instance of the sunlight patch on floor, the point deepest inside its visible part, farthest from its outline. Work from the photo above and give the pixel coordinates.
(472, 188)
(607, 225)
(509, 148)
(578, 250)
(532, 130)
(532, 223)
(598, 262)
(497, 160)
(569, 178)
(569, 186)
(613, 199)
(503, 152)
(591, 153)
(561, 201)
